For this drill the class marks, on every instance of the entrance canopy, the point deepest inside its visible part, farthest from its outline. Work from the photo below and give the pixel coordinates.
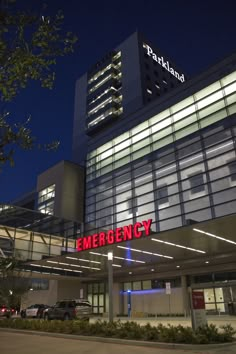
(195, 249)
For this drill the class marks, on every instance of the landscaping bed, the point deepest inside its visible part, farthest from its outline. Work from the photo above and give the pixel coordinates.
(128, 330)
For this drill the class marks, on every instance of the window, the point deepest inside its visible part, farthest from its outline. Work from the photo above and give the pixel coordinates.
(162, 195)
(46, 194)
(232, 169)
(196, 183)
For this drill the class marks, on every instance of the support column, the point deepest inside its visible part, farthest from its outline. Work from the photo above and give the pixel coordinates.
(110, 285)
(185, 295)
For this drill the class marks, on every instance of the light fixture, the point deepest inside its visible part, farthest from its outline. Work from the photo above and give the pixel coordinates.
(145, 252)
(214, 236)
(110, 256)
(116, 257)
(177, 266)
(177, 245)
(130, 273)
(152, 270)
(207, 262)
(83, 260)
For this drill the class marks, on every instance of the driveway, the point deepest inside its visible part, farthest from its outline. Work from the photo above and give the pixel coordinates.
(19, 343)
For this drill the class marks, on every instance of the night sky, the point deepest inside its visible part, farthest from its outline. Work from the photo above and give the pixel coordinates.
(194, 34)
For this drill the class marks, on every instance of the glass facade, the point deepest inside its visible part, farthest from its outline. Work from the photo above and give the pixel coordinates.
(46, 198)
(157, 170)
(97, 296)
(104, 98)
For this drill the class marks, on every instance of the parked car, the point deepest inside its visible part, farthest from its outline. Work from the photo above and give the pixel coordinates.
(69, 309)
(5, 311)
(34, 311)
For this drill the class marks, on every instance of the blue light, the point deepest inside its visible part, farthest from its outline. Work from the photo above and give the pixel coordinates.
(142, 292)
(128, 252)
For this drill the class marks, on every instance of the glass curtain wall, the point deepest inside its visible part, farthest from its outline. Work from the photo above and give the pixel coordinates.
(157, 171)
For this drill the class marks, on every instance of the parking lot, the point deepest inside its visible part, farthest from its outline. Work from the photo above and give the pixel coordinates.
(18, 343)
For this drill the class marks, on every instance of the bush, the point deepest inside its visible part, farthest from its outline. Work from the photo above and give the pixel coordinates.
(128, 330)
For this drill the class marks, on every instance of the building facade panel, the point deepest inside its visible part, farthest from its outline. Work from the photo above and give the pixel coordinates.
(176, 166)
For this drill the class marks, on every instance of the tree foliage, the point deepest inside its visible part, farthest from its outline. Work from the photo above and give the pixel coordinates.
(13, 284)
(29, 47)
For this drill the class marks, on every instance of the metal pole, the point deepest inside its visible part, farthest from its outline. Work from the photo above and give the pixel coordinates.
(110, 285)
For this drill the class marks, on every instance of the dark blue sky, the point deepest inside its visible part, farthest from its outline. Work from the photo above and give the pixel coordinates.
(195, 34)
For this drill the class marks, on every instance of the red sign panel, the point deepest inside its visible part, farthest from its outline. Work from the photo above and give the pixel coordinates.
(111, 237)
(198, 300)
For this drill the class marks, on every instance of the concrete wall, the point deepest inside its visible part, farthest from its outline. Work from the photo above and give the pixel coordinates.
(80, 139)
(72, 203)
(69, 194)
(47, 297)
(58, 290)
(70, 289)
(155, 302)
(131, 79)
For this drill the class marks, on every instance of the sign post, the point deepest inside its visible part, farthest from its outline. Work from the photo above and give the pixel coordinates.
(129, 302)
(198, 312)
(168, 292)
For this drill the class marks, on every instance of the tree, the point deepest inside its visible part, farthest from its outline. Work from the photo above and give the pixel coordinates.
(13, 284)
(29, 47)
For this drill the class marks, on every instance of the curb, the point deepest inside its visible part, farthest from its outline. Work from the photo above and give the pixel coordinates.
(121, 341)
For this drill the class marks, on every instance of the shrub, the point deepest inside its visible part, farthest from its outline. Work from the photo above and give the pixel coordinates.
(128, 330)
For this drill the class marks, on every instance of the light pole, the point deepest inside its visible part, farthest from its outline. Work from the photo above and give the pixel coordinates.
(110, 285)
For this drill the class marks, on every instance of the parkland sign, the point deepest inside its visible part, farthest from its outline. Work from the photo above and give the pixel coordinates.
(111, 237)
(164, 63)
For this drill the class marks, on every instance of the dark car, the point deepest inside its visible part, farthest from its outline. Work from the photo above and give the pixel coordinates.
(69, 310)
(5, 311)
(34, 311)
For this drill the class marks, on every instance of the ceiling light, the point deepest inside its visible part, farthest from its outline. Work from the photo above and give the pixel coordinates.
(152, 270)
(130, 272)
(177, 266)
(145, 252)
(124, 259)
(215, 236)
(177, 245)
(207, 262)
(83, 260)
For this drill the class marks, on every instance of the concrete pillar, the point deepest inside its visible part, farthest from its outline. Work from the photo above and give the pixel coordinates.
(185, 296)
(121, 299)
(110, 285)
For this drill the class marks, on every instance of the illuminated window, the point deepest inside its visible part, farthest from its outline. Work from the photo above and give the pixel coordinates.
(200, 110)
(101, 105)
(100, 83)
(46, 200)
